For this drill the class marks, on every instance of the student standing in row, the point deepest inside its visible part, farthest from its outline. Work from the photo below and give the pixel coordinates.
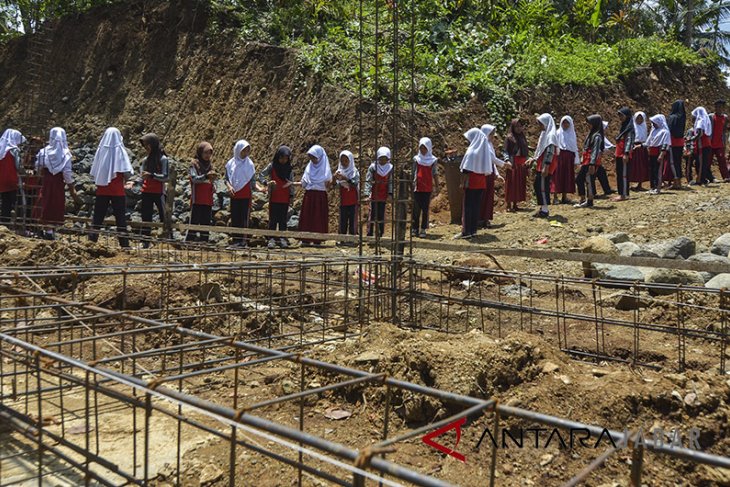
(111, 169)
(379, 187)
(240, 177)
(601, 174)
(281, 189)
(702, 134)
(425, 175)
(639, 167)
(563, 182)
(487, 212)
(658, 143)
(10, 170)
(347, 178)
(593, 148)
(317, 179)
(53, 164)
(516, 152)
(719, 136)
(155, 171)
(676, 122)
(546, 158)
(202, 177)
(474, 167)
(624, 146)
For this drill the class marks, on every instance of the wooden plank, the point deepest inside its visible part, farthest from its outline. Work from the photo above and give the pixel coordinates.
(453, 247)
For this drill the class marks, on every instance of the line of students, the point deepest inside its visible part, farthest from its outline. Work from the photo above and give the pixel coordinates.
(652, 150)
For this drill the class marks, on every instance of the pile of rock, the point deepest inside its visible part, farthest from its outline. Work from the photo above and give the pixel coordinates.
(683, 248)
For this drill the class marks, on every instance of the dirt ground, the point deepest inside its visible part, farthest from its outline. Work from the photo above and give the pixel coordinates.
(151, 67)
(520, 369)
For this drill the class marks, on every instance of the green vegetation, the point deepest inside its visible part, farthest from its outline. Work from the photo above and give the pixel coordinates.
(488, 48)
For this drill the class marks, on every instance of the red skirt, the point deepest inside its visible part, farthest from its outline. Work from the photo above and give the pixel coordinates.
(515, 187)
(487, 211)
(563, 181)
(52, 200)
(639, 165)
(314, 216)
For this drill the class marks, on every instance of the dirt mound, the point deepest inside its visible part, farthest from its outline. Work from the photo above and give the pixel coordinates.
(18, 251)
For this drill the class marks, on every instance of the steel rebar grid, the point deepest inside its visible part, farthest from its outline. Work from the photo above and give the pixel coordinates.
(501, 294)
(104, 379)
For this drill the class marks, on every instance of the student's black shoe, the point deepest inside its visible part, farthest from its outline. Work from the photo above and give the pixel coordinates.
(541, 214)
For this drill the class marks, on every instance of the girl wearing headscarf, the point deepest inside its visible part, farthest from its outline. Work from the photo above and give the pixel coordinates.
(425, 175)
(676, 122)
(281, 188)
(110, 170)
(719, 137)
(202, 179)
(601, 174)
(316, 180)
(624, 146)
(658, 143)
(563, 182)
(639, 168)
(486, 213)
(546, 157)
(155, 173)
(474, 168)
(53, 164)
(347, 179)
(702, 133)
(516, 152)
(10, 170)
(378, 187)
(240, 176)
(593, 148)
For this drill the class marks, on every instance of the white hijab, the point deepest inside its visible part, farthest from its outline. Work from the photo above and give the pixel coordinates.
(239, 170)
(549, 136)
(477, 158)
(702, 121)
(567, 139)
(487, 129)
(56, 154)
(659, 135)
(111, 158)
(606, 142)
(316, 175)
(640, 129)
(350, 172)
(428, 160)
(383, 169)
(11, 139)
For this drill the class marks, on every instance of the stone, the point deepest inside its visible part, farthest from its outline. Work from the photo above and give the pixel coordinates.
(627, 249)
(720, 281)
(599, 372)
(626, 301)
(210, 291)
(721, 246)
(549, 367)
(617, 238)
(210, 474)
(287, 387)
(691, 399)
(599, 245)
(617, 272)
(672, 276)
(367, 357)
(681, 247)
